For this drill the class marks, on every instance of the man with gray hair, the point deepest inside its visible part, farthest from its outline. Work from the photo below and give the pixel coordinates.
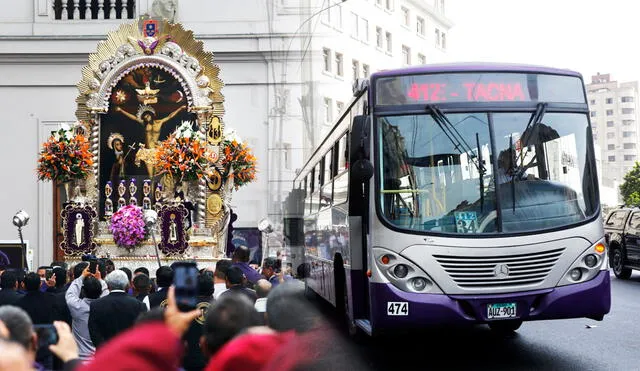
(114, 313)
(20, 329)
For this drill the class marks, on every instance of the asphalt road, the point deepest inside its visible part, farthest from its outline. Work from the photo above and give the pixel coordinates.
(577, 344)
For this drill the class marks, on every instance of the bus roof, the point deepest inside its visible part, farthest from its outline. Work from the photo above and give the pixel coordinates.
(474, 67)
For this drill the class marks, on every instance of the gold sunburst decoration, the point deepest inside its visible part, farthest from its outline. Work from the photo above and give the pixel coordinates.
(117, 55)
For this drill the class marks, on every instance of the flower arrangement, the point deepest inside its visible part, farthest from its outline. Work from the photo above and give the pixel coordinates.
(184, 154)
(128, 227)
(65, 156)
(238, 162)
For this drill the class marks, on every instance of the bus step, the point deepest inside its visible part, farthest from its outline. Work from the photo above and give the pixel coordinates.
(365, 325)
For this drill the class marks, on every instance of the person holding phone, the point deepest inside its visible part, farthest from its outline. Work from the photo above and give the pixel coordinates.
(94, 288)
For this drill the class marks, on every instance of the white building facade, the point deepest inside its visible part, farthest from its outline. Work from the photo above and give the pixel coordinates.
(270, 54)
(616, 126)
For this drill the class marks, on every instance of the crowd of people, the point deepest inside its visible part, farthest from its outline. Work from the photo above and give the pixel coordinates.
(246, 318)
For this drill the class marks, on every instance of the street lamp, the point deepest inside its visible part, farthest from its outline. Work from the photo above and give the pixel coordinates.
(21, 219)
(265, 226)
(150, 219)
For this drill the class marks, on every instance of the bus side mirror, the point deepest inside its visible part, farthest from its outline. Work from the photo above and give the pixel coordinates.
(361, 167)
(362, 170)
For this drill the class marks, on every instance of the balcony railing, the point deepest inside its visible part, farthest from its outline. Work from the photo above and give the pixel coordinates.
(93, 9)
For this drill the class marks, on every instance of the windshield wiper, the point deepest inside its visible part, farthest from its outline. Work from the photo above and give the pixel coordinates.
(455, 137)
(534, 121)
(481, 174)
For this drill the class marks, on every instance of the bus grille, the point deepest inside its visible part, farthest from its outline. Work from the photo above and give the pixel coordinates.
(489, 271)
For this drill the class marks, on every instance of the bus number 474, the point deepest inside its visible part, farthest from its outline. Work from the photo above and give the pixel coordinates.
(397, 308)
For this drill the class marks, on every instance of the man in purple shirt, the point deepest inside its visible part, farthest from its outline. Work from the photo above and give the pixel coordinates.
(240, 259)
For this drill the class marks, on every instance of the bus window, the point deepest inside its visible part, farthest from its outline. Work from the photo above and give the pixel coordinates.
(326, 193)
(340, 188)
(343, 153)
(328, 165)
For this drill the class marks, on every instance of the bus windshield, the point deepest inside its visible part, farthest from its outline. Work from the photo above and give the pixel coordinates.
(449, 173)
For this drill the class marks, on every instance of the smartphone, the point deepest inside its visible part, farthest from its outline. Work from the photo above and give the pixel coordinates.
(185, 280)
(48, 273)
(93, 265)
(47, 335)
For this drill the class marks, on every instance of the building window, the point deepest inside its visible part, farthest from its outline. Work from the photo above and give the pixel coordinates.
(629, 146)
(406, 17)
(326, 17)
(595, 137)
(444, 40)
(364, 31)
(378, 2)
(609, 100)
(611, 147)
(628, 134)
(609, 112)
(627, 111)
(437, 37)
(379, 37)
(612, 158)
(593, 113)
(387, 36)
(388, 4)
(626, 99)
(406, 55)
(420, 26)
(627, 122)
(326, 59)
(629, 157)
(355, 67)
(354, 25)
(365, 71)
(339, 107)
(593, 101)
(422, 59)
(611, 135)
(328, 117)
(339, 64)
(609, 124)
(286, 154)
(339, 11)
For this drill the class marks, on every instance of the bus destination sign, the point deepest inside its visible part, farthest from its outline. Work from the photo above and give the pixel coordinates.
(472, 92)
(478, 87)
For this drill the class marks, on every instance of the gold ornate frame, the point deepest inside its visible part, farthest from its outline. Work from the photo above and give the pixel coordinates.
(176, 51)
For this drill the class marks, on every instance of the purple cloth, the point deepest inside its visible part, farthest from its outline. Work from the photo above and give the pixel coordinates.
(252, 275)
(275, 281)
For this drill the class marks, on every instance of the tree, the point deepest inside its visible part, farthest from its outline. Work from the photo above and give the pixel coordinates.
(630, 188)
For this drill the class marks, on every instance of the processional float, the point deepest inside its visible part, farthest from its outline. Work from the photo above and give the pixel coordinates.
(150, 135)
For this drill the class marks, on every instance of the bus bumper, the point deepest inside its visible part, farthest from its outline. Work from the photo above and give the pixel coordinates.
(591, 299)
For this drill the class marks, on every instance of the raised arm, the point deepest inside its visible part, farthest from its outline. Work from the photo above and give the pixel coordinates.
(72, 297)
(128, 115)
(171, 115)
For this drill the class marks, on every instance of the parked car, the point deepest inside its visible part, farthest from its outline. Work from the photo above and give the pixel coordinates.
(622, 233)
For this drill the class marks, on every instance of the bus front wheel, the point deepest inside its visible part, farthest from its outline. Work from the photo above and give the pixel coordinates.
(505, 327)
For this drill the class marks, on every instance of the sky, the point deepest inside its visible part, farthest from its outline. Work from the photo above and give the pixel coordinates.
(587, 36)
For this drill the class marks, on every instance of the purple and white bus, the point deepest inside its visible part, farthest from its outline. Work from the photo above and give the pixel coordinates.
(457, 194)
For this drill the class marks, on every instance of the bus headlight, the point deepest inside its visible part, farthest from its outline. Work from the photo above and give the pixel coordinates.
(402, 273)
(401, 270)
(587, 266)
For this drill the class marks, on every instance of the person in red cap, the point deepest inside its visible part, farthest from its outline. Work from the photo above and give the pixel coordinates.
(250, 351)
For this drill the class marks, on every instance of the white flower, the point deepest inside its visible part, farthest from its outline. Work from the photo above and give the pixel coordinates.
(68, 134)
(231, 135)
(56, 136)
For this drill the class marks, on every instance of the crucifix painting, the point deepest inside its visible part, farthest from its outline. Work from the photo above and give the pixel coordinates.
(146, 105)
